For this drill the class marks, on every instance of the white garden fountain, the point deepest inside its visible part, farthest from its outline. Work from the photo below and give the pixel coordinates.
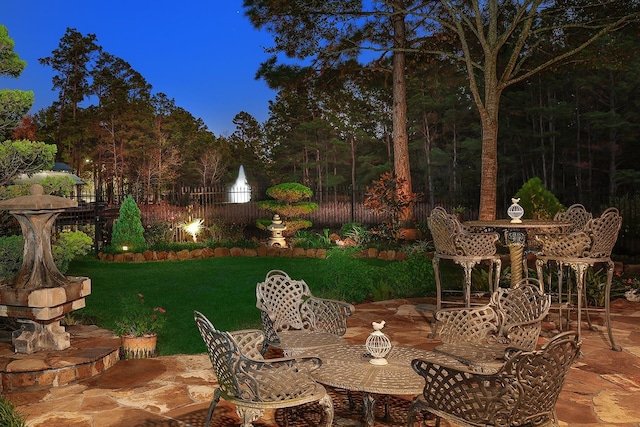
(240, 191)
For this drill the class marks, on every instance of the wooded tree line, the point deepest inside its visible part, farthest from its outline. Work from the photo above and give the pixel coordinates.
(573, 124)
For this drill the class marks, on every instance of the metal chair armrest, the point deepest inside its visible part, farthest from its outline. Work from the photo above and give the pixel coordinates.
(326, 315)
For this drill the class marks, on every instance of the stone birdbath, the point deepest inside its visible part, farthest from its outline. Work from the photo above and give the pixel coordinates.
(39, 295)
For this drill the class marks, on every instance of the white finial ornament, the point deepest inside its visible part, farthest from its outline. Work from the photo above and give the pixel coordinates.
(378, 344)
(515, 211)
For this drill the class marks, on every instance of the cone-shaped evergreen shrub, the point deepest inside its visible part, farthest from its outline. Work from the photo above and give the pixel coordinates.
(128, 230)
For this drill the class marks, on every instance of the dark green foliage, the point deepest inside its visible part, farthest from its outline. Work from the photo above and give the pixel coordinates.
(537, 201)
(287, 204)
(289, 192)
(65, 247)
(224, 288)
(312, 240)
(158, 234)
(128, 230)
(220, 231)
(9, 415)
(24, 156)
(69, 245)
(139, 318)
(11, 249)
(287, 200)
(352, 278)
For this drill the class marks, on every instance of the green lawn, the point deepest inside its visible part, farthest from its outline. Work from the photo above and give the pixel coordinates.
(221, 288)
(224, 288)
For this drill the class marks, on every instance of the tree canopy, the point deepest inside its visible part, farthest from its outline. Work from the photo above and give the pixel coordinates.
(14, 104)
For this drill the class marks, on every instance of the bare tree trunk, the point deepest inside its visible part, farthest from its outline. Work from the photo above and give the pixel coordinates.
(400, 137)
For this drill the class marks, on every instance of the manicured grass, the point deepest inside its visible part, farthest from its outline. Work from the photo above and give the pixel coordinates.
(221, 288)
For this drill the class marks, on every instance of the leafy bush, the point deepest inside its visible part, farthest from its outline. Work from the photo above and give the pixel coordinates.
(9, 415)
(411, 278)
(58, 185)
(348, 278)
(65, 247)
(158, 233)
(387, 197)
(359, 234)
(11, 249)
(68, 245)
(128, 230)
(537, 201)
(220, 231)
(355, 279)
(312, 240)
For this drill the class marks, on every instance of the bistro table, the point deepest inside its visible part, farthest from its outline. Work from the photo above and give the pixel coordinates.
(346, 366)
(515, 235)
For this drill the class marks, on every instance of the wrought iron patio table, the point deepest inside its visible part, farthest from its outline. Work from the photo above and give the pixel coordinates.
(515, 235)
(346, 366)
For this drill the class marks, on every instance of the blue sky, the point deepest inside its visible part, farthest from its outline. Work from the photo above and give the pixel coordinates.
(203, 54)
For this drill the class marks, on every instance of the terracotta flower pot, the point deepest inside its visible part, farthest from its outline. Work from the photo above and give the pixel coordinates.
(139, 347)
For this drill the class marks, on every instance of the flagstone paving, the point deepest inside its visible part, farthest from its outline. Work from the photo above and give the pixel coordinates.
(602, 387)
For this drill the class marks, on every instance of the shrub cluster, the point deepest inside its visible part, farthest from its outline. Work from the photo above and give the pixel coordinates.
(65, 247)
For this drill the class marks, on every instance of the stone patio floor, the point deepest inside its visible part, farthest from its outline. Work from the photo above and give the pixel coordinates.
(603, 388)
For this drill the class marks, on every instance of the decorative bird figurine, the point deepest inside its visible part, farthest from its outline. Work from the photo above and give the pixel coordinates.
(377, 326)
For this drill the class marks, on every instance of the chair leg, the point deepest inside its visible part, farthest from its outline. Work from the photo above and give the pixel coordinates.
(580, 285)
(468, 268)
(498, 264)
(248, 415)
(212, 407)
(436, 270)
(607, 305)
(415, 407)
(327, 405)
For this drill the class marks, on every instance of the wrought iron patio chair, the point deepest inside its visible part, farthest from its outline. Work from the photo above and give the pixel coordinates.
(512, 318)
(296, 321)
(254, 384)
(578, 216)
(582, 250)
(523, 392)
(454, 242)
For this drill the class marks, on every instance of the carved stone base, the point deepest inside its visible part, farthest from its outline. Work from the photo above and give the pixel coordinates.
(33, 337)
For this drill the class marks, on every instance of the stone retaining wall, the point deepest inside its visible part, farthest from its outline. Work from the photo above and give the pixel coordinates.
(261, 251)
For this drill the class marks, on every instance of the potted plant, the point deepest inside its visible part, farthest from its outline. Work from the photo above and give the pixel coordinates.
(139, 327)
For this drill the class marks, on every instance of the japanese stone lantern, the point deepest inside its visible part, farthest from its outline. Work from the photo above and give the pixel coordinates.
(39, 295)
(277, 228)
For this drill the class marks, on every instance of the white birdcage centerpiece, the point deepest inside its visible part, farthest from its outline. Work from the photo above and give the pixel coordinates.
(515, 211)
(378, 344)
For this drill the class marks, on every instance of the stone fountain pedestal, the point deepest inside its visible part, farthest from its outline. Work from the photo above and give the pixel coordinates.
(39, 311)
(39, 295)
